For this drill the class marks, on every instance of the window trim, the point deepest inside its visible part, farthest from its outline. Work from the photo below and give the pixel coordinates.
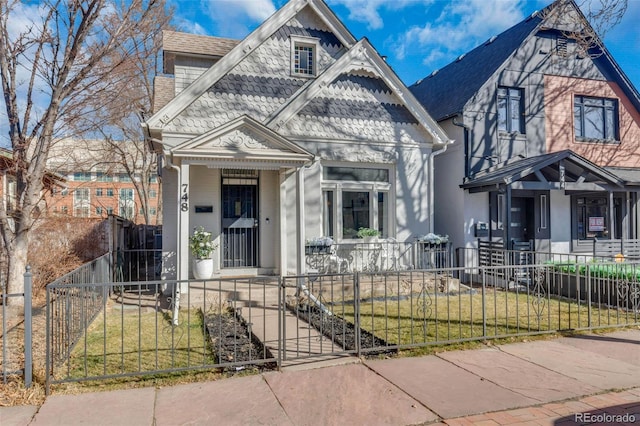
(616, 117)
(314, 44)
(521, 113)
(373, 188)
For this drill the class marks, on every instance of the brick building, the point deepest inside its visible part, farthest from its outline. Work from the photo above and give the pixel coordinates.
(98, 184)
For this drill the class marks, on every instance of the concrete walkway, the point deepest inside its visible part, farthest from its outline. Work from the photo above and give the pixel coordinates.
(587, 378)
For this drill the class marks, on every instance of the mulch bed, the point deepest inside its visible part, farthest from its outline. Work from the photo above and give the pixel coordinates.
(342, 332)
(232, 343)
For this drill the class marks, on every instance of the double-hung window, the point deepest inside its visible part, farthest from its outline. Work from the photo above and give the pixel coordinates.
(81, 198)
(595, 119)
(510, 110)
(355, 198)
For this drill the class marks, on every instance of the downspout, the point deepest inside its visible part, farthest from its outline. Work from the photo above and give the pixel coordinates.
(177, 291)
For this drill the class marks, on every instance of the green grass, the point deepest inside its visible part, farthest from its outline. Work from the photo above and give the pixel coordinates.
(456, 317)
(129, 342)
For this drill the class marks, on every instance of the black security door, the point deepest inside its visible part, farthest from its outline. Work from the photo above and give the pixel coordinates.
(240, 224)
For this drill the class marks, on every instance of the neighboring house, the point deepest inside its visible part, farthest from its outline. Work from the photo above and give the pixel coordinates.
(97, 183)
(547, 139)
(297, 131)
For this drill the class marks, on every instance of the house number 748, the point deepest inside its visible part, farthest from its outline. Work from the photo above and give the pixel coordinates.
(184, 205)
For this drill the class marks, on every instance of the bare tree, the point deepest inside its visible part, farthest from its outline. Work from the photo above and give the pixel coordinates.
(119, 120)
(63, 53)
(589, 27)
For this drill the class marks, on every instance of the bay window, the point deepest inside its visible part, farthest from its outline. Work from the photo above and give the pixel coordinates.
(355, 198)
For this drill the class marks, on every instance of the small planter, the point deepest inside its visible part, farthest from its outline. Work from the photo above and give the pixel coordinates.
(317, 249)
(202, 268)
(370, 239)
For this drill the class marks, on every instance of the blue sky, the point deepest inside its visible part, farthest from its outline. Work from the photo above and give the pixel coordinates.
(416, 36)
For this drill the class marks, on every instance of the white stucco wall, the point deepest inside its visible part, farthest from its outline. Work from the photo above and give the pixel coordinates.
(204, 190)
(169, 223)
(269, 220)
(560, 222)
(449, 199)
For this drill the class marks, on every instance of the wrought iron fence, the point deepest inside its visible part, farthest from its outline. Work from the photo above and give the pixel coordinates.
(137, 265)
(365, 312)
(138, 330)
(232, 323)
(72, 302)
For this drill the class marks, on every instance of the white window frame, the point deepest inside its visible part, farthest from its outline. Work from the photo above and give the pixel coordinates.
(373, 188)
(311, 42)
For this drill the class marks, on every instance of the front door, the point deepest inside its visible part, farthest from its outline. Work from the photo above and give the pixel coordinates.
(239, 223)
(522, 219)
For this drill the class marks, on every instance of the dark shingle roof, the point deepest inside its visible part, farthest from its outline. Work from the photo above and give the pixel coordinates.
(445, 93)
(521, 169)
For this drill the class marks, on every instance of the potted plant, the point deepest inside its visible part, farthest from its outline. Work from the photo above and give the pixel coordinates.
(369, 235)
(201, 248)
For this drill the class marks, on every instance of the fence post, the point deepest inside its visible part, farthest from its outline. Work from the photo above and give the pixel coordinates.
(356, 316)
(28, 307)
(588, 278)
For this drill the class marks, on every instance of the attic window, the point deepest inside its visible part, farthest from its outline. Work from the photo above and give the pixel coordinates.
(304, 52)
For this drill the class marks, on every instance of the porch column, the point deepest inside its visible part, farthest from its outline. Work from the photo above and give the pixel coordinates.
(507, 217)
(300, 267)
(611, 223)
(183, 223)
(283, 221)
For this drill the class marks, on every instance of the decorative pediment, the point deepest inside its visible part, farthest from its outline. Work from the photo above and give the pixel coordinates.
(242, 138)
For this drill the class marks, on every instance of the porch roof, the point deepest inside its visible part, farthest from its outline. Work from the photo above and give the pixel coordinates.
(243, 143)
(563, 170)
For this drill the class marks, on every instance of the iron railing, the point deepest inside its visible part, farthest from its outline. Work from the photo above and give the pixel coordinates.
(72, 302)
(385, 255)
(139, 331)
(137, 265)
(167, 326)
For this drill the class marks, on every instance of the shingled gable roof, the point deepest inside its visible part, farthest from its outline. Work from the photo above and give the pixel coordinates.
(518, 170)
(243, 49)
(362, 56)
(446, 92)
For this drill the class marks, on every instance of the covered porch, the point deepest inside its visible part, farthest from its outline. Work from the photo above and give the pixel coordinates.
(244, 183)
(556, 202)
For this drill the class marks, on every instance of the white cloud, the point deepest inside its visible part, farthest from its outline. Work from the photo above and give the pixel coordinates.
(460, 27)
(370, 11)
(236, 18)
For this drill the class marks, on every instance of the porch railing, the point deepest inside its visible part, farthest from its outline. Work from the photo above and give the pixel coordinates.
(615, 247)
(382, 256)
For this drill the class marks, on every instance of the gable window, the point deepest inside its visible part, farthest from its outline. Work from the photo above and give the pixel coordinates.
(304, 52)
(595, 119)
(510, 110)
(355, 198)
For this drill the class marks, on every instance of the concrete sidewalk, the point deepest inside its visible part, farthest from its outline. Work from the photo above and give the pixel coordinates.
(539, 382)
